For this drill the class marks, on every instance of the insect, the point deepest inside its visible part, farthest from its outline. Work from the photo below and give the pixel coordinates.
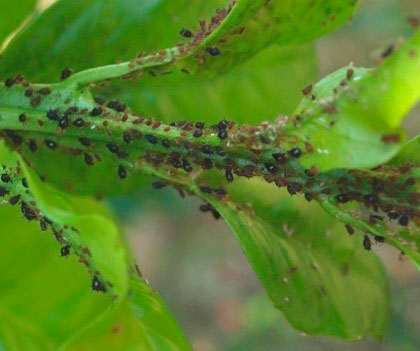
(151, 139)
(280, 157)
(186, 33)
(366, 243)
(78, 122)
(295, 152)
(122, 173)
(222, 134)
(96, 111)
(403, 220)
(229, 175)
(65, 251)
(206, 149)
(51, 144)
(213, 51)
(271, 168)
(97, 285)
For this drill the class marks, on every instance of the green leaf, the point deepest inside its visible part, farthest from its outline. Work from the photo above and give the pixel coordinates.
(64, 312)
(140, 323)
(89, 33)
(354, 123)
(253, 25)
(12, 14)
(313, 271)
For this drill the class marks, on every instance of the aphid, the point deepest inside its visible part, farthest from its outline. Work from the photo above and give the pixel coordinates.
(127, 137)
(205, 189)
(207, 164)
(342, 198)
(44, 91)
(309, 197)
(166, 143)
(14, 199)
(222, 134)
(349, 229)
(3, 191)
(223, 124)
(220, 191)
(27, 212)
(78, 122)
(271, 168)
(112, 148)
(122, 173)
(89, 159)
(295, 152)
(187, 166)
(216, 214)
(97, 285)
(213, 51)
(366, 243)
(159, 184)
(393, 215)
(5, 178)
(349, 73)
(43, 225)
(35, 101)
(205, 207)
(151, 139)
(229, 175)
(99, 100)
(207, 149)
(379, 239)
(65, 73)
(22, 118)
(24, 182)
(51, 144)
(85, 141)
(176, 162)
(9, 82)
(307, 90)
(64, 122)
(388, 51)
(29, 92)
(199, 125)
(186, 33)
(280, 157)
(197, 133)
(96, 111)
(53, 115)
(403, 220)
(65, 251)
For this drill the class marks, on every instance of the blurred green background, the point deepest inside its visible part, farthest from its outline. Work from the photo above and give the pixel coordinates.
(197, 266)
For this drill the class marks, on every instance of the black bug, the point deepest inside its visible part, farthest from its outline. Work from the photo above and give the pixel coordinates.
(295, 152)
(349, 229)
(199, 125)
(403, 221)
(53, 115)
(79, 123)
(222, 125)
(166, 143)
(122, 172)
(367, 243)
(64, 122)
(89, 159)
(97, 285)
(271, 168)
(207, 149)
(222, 134)
(342, 198)
(65, 73)
(25, 182)
(22, 118)
(32, 145)
(9, 82)
(393, 215)
(186, 33)
(197, 133)
(65, 251)
(187, 166)
(5, 178)
(280, 157)
(213, 51)
(3, 191)
(85, 141)
(96, 111)
(14, 199)
(379, 239)
(151, 139)
(27, 212)
(127, 137)
(229, 175)
(158, 184)
(112, 148)
(51, 144)
(205, 189)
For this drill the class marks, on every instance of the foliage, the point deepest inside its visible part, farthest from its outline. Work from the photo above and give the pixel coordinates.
(341, 152)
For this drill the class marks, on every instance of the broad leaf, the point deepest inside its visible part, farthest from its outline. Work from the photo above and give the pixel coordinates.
(353, 120)
(313, 271)
(12, 14)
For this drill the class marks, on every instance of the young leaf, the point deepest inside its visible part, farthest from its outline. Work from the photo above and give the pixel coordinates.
(354, 119)
(316, 274)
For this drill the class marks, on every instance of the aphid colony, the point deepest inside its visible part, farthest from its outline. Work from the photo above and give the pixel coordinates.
(13, 182)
